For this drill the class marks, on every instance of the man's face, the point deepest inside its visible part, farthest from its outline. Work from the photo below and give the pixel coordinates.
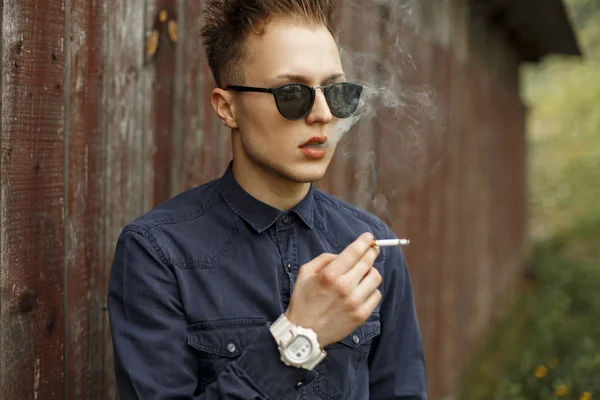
(288, 52)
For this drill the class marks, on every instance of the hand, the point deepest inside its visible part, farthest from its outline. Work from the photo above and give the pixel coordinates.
(335, 294)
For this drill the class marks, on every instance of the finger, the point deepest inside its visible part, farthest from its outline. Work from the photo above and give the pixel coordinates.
(372, 301)
(368, 285)
(318, 263)
(362, 267)
(350, 255)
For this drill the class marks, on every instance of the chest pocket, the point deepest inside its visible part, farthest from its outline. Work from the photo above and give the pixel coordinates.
(338, 370)
(218, 343)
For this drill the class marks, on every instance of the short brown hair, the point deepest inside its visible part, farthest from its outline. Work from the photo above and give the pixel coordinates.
(228, 22)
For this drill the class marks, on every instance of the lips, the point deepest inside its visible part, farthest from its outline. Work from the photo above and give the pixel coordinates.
(316, 141)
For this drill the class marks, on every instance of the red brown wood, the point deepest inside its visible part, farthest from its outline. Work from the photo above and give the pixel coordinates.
(84, 343)
(455, 322)
(196, 107)
(32, 183)
(164, 109)
(440, 192)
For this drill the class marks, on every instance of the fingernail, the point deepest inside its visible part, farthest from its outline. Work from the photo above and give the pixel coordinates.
(370, 236)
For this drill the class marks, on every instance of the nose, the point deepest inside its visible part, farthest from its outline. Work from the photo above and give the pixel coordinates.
(320, 112)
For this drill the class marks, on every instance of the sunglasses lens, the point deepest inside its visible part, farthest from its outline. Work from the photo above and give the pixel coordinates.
(294, 101)
(343, 98)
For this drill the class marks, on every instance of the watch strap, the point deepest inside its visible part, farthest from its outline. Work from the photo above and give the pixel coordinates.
(281, 329)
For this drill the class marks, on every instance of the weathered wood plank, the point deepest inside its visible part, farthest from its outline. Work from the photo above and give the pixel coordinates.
(177, 30)
(480, 266)
(400, 67)
(456, 316)
(328, 183)
(439, 193)
(162, 109)
(85, 275)
(419, 140)
(340, 170)
(385, 173)
(125, 189)
(197, 110)
(206, 141)
(32, 181)
(361, 32)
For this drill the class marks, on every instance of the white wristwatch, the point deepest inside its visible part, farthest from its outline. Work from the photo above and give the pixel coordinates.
(298, 346)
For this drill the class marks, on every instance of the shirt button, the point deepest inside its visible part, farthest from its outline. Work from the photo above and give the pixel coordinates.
(299, 385)
(285, 219)
(355, 339)
(231, 348)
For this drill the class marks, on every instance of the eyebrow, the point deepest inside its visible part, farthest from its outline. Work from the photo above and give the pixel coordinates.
(304, 79)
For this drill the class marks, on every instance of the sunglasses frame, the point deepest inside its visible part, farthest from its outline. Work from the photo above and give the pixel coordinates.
(312, 91)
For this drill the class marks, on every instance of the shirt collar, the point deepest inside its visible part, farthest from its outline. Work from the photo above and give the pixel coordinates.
(256, 213)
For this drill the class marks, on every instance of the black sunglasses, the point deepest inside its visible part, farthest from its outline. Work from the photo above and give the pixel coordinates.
(294, 101)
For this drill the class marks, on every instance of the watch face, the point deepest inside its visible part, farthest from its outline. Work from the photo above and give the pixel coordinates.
(299, 350)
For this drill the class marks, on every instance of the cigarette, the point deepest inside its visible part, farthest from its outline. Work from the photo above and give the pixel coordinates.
(390, 242)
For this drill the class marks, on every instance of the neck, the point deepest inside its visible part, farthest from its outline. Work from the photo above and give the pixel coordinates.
(267, 186)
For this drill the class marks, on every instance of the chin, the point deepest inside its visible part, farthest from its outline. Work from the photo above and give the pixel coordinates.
(306, 173)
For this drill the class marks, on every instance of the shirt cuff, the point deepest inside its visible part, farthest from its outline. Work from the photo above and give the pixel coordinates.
(262, 363)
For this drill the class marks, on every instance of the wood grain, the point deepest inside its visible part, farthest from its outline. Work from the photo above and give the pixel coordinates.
(32, 183)
(163, 111)
(197, 121)
(85, 154)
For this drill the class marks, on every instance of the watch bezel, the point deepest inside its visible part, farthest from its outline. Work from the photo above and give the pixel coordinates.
(289, 353)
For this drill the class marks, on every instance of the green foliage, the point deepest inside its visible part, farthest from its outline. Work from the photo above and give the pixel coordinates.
(561, 336)
(564, 129)
(551, 340)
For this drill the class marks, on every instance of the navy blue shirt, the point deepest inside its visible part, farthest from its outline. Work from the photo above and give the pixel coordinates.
(197, 281)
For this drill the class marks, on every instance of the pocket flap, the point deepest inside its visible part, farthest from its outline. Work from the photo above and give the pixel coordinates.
(364, 333)
(226, 338)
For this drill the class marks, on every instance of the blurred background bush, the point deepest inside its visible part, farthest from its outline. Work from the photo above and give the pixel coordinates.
(549, 345)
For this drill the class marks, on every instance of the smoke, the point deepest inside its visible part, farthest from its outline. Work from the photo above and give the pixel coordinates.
(399, 123)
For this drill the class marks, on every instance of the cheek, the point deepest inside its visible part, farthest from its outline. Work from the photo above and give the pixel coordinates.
(261, 125)
(257, 107)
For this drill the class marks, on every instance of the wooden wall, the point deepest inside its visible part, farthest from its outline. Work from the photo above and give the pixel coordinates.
(104, 114)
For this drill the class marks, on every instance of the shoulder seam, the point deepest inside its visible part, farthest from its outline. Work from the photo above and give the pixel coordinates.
(152, 241)
(183, 217)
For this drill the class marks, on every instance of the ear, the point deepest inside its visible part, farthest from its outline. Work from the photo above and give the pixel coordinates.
(222, 102)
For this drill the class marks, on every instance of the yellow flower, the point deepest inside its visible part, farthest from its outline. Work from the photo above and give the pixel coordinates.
(553, 362)
(561, 390)
(541, 371)
(585, 396)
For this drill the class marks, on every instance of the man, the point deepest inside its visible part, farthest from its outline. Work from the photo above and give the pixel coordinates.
(256, 285)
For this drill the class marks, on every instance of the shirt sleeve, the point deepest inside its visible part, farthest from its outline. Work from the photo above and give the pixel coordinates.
(152, 358)
(397, 362)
